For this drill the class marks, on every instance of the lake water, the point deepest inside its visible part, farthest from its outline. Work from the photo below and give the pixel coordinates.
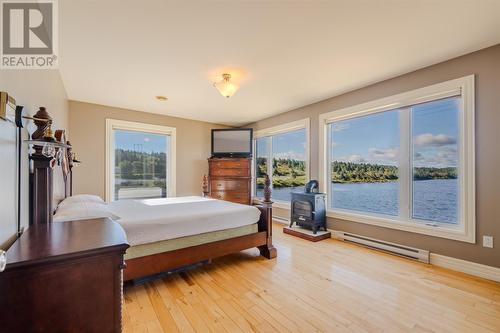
(433, 200)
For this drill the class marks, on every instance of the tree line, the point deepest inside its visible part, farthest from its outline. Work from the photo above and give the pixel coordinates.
(348, 172)
(134, 165)
(291, 172)
(287, 172)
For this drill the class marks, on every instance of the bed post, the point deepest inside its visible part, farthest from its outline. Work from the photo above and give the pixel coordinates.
(204, 186)
(266, 223)
(69, 156)
(41, 177)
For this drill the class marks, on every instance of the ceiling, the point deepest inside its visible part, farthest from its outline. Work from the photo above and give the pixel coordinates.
(284, 54)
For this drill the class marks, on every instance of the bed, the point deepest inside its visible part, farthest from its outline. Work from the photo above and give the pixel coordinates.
(169, 233)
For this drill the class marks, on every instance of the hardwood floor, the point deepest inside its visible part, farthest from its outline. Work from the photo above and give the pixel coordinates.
(329, 286)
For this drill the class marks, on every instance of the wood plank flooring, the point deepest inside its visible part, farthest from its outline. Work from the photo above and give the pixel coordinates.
(329, 286)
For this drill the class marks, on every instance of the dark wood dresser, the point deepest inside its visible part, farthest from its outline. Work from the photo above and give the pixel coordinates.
(64, 277)
(230, 179)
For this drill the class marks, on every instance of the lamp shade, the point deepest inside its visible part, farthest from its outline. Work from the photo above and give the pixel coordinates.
(226, 87)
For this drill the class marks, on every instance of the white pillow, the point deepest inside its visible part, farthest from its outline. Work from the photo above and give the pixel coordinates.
(83, 211)
(81, 198)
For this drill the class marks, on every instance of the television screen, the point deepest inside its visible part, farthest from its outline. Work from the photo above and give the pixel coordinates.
(232, 142)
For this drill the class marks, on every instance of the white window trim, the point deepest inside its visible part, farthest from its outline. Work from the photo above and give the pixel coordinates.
(115, 124)
(280, 129)
(462, 86)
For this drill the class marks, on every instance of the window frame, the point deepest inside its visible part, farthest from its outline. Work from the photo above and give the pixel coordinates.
(115, 124)
(275, 130)
(466, 228)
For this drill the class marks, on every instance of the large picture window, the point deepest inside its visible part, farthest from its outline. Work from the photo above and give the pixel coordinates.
(140, 161)
(282, 152)
(405, 162)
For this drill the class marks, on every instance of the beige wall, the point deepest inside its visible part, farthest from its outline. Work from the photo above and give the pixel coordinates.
(32, 89)
(88, 137)
(485, 64)
(35, 88)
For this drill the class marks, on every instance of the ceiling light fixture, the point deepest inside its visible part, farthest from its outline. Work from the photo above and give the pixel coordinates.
(226, 87)
(161, 98)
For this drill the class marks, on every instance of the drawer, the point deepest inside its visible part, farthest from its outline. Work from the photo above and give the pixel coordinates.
(230, 164)
(239, 197)
(229, 185)
(230, 172)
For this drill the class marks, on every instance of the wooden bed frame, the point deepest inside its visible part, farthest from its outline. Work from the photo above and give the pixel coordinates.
(41, 192)
(160, 262)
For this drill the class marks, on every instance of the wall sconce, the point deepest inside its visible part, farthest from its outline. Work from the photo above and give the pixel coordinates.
(44, 136)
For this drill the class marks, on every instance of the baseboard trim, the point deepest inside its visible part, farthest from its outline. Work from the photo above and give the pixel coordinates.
(468, 267)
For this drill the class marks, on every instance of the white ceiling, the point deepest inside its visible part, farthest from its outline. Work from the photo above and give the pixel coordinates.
(285, 54)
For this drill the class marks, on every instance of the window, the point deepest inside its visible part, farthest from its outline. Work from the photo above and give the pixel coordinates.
(364, 164)
(140, 160)
(261, 162)
(435, 134)
(405, 162)
(286, 149)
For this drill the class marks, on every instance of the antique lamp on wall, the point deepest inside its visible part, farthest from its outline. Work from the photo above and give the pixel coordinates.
(43, 139)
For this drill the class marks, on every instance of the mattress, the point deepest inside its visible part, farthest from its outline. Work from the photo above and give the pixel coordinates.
(188, 241)
(152, 220)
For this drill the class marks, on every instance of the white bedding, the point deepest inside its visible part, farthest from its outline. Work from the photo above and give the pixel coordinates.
(152, 220)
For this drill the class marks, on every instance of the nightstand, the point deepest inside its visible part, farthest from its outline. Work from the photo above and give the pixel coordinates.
(64, 277)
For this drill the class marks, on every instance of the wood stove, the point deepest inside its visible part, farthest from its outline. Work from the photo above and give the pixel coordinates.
(308, 210)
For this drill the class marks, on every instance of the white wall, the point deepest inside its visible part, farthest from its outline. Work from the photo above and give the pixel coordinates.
(32, 89)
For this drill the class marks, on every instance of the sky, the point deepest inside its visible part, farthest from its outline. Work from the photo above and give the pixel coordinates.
(140, 141)
(287, 145)
(375, 138)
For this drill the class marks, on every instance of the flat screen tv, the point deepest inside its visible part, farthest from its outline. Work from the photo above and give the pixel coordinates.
(232, 142)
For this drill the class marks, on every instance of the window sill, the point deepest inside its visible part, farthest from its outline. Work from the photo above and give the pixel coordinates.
(436, 231)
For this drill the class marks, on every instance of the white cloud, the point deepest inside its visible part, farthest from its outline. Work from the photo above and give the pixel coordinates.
(291, 155)
(375, 156)
(437, 140)
(440, 158)
(389, 154)
(339, 127)
(449, 150)
(355, 158)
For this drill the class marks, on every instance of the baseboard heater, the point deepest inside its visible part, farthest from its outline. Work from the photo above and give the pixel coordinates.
(400, 250)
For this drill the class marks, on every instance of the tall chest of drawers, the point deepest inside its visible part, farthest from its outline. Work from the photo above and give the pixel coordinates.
(230, 179)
